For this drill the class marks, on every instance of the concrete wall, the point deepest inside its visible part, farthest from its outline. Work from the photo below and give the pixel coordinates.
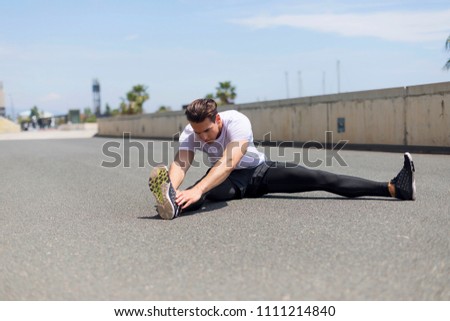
(158, 125)
(416, 115)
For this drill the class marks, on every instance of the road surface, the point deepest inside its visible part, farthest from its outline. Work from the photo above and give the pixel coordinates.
(72, 229)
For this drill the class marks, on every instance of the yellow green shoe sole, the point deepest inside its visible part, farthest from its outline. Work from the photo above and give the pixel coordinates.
(160, 186)
(158, 177)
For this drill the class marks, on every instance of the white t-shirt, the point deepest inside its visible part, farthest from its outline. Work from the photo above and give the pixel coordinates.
(236, 127)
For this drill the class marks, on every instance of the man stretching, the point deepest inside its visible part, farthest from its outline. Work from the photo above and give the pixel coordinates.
(240, 170)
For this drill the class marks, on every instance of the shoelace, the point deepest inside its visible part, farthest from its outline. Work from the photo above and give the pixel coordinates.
(403, 181)
(173, 195)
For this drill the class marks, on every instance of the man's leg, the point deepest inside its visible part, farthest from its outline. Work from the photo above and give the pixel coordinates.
(280, 178)
(224, 192)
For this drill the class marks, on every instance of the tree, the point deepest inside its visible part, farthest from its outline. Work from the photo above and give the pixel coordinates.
(225, 93)
(163, 109)
(34, 112)
(87, 112)
(88, 116)
(107, 110)
(447, 46)
(135, 100)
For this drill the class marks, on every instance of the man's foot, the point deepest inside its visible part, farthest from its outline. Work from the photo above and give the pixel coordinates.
(404, 182)
(164, 193)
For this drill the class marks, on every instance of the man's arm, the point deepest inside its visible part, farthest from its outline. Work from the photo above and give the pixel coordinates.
(232, 155)
(179, 167)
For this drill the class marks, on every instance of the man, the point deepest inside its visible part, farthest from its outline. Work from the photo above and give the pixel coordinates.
(240, 170)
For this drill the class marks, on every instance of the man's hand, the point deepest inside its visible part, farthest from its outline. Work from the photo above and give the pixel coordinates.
(188, 197)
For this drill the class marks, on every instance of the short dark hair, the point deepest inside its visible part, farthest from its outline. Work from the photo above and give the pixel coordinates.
(200, 109)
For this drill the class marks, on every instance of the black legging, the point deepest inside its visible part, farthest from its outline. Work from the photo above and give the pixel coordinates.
(291, 178)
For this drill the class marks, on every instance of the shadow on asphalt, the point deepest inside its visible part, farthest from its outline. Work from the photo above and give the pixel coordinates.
(208, 206)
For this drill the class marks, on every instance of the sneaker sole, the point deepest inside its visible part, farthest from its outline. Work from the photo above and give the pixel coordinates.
(413, 170)
(159, 186)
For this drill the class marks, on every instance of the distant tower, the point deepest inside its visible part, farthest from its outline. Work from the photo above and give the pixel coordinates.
(2, 101)
(96, 97)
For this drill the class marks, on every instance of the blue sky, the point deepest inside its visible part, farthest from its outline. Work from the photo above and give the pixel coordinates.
(50, 51)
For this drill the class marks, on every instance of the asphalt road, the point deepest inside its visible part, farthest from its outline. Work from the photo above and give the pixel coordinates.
(72, 229)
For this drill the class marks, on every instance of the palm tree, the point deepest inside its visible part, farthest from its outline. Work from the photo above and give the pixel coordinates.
(34, 112)
(447, 46)
(163, 109)
(107, 110)
(136, 98)
(226, 93)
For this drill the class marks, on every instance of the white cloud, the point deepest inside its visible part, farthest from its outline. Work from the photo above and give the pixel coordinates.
(394, 26)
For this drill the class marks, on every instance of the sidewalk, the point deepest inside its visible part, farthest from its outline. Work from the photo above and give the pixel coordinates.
(88, 132)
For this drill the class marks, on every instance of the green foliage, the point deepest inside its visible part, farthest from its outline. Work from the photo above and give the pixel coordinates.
(135, 99)
(163, 109)
(34, 112)
(88, 116)
(91, 119)
(107, 110)
(21, 119)
(87, 112)
(225, 93)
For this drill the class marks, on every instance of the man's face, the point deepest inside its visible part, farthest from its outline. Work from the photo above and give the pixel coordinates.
(207, 130)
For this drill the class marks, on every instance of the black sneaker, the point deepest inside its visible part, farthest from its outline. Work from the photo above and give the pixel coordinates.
(164, 193)
(404, 182)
